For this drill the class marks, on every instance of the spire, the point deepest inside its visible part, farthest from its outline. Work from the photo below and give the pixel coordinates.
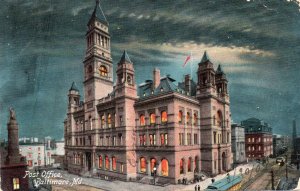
(74, 87)
(125, 58)
(219, 70)
(205, 57)
(98, 13)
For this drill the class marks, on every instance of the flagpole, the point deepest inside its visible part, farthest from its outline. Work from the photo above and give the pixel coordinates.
(191, 67)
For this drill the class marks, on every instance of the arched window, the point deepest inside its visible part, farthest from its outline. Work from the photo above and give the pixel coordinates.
(181, 165)
(219, 119)
(180, 116)
(114, 163)
(107, 163)
(102, 121)
(152, 118)
(164, 117)
(143, 164)
(100, 161)
(109, 120)
(164, 167)
(195, 119)
(152, 164)
(142, 120)
(188, 118)
(103, 71)
(190, 165)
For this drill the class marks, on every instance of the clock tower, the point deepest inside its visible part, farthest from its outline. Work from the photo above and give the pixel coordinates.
(98, 67)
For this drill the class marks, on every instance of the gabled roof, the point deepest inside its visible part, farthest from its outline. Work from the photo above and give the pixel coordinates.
(98, 13)
(125, 58)
(205, 57)
(74, 87)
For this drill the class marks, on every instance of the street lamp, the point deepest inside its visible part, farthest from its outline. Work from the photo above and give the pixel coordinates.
(154, 174)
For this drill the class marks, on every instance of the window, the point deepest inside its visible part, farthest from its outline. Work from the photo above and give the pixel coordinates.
(164, 139)
(195, 119)
(181, 166)
(122, 168)
(107, 140)
(195, 139)
(29, 162)
(190, 165)
(143, 164)
(188, 118)
(103, 71)
(16, 183)
(114, 141)
(100, 161)
(152, 118)
(143, 140)
(152, 164)
(215, 137)
(180, 116)
(39, 162)
(109, 120)
(152, 139)
(164, 167)
(164, 117)
(121, 120)
(189, 139)
(249, 140)
(253, 140)
(114, 163)
(142, 120)
(107, 163)
(181, 140)
(102, 121)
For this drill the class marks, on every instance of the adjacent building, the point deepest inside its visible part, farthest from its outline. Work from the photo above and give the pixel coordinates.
(280, 145)
(13, 166)
(238, 143)
(124, 131)
(258, 137)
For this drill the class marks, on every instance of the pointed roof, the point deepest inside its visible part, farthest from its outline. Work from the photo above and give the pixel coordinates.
(125, 58)
(98, 13)
(219, 70)
(74, 87)
(205, 57)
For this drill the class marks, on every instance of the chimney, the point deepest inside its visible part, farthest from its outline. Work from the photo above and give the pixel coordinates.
(187, 83)
(156, 78)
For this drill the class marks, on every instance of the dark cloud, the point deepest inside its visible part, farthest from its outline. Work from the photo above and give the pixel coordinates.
(43, 45)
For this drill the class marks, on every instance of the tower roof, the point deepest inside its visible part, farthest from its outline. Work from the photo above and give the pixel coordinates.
(74, 87)
(219, 70)
(205, 57)
(98, 13)
(125, 58)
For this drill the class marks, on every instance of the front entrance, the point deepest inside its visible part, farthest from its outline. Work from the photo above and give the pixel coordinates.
(88, 162)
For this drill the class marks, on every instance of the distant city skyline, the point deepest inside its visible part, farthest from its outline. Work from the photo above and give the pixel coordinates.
(257, 43)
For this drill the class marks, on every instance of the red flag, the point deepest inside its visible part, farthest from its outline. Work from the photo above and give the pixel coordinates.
(186, 60)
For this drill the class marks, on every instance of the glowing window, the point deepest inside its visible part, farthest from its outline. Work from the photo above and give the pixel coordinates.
(102, 121)
(181, 166)
(143, 164)
(142, 120)
(114, 163)
(190, 165)
(100, 161)
(152, 118)
(152, 164)
(195, 119)
(164, 117)
(106, 163)
(16, 183)
(103, 71)
(164, 167)
(109, 120)
(180, 116)
(188, 117)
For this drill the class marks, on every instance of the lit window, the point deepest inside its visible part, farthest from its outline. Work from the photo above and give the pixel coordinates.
(143, 164)
(195, 119)
(164, 117)
(181, 166)
(16, 183)
(114, 163)
(109, 120)
(188, 117)
(180, 116)
(152, 164)
(152, 118)
(164, 167)
(100, 161)
(29, 162)
(142, 120)
(103, 71)
(106, 163)
(102, 121)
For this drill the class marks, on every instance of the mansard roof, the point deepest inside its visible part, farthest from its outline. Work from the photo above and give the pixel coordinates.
(74, 87)
(98, 13)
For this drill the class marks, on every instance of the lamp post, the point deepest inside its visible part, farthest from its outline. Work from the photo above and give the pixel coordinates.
(154, 174)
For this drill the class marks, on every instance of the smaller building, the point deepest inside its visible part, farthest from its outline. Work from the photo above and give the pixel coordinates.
(238, 143)
(258, 138)
(280, 145)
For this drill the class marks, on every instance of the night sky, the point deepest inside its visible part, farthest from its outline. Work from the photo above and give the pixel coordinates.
(42, 46)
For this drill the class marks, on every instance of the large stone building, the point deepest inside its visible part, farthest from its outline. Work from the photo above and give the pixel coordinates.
(13, 166)
(238, 143)
(259, 138)
(125, 131)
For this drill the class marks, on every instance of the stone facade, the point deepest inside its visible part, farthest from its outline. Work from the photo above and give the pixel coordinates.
(125, 131)
(238, 143)
(259, 139)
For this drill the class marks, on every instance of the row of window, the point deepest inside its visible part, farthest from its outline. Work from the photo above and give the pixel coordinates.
(111, 141)
(258, 140)
(100, 40)
(164, 171)
(108, 164)
(217, 138)
(190, 168)
(188, 139)
(152, 139)
(259, 148)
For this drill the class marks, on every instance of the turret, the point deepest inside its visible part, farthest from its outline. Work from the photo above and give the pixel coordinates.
(221, 82)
